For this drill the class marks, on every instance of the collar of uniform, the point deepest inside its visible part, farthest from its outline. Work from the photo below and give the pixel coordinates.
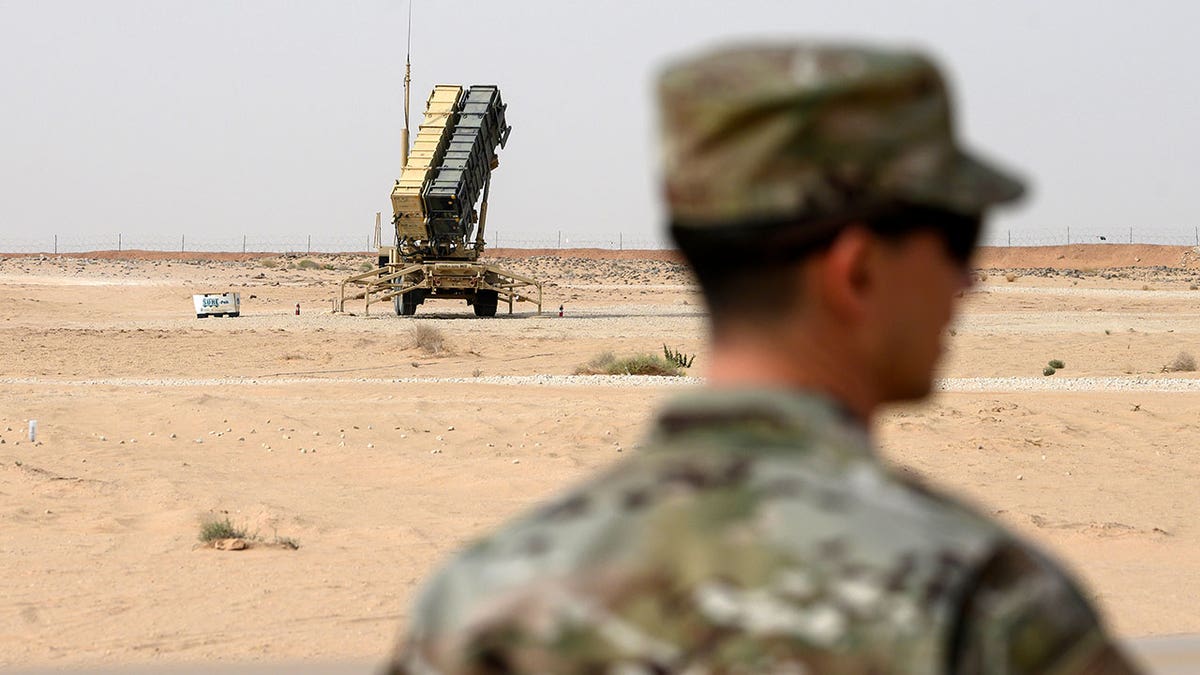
(769, 415)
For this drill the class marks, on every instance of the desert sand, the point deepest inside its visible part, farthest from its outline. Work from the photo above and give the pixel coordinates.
(336, 433)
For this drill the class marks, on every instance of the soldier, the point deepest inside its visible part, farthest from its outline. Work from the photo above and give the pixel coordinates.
(829, 214)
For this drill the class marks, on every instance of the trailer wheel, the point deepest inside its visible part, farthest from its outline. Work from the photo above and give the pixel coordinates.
(406, 304)
(485, 302)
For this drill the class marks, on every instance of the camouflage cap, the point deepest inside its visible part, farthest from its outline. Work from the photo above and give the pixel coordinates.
(810, 132)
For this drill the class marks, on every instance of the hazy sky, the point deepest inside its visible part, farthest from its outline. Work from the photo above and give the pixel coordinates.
(221, 118)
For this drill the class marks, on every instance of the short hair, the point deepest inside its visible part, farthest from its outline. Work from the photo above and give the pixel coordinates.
(747, 271)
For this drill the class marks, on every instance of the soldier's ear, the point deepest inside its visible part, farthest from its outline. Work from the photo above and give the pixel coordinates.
(847, 274)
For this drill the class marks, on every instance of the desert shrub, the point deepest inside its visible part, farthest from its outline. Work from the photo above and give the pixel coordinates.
(1057, 364)
(644, 364)
(270, 262)
(327, 266)
(1184, 362)
(307, 264)
(212, 530)
(286, 542)
(638, 364)
(427, 338)
(598, 364)
(1048, 371)
(1010, 277)
(678, 358)
(366, 267)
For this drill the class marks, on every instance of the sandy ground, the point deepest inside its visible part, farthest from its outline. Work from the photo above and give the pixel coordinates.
(337, 433)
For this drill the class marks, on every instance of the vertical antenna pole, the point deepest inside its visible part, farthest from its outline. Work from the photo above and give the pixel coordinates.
(407, 79)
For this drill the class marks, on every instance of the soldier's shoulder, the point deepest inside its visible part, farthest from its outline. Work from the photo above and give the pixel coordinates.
(1024, 611)
(840, 551)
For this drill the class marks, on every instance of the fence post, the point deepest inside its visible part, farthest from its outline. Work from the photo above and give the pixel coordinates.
(1010, 237)
(1198, 235)
(243, 243)
(310, 243)
(56, 244)
(560, 238)
(1131, 235)
(118, 242)
(1068, 235)
(620, 241)
(182, 241)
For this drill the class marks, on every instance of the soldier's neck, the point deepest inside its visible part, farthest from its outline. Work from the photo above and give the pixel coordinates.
(803, 362)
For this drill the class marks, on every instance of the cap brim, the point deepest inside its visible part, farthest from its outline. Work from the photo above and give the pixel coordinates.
(969, 185)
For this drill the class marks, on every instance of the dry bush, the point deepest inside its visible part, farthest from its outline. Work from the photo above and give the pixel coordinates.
(1184, 362)
(1010, 277)
(212, 530)
(427, 338)
(599, 364)
(289, 543)
(307, 264)
(638, 364)
(645, 364)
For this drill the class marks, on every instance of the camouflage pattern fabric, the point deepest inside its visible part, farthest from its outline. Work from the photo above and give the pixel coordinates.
(756, 533)
(812, 132)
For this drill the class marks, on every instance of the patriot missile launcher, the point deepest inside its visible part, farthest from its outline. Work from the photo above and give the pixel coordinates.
(439, 229)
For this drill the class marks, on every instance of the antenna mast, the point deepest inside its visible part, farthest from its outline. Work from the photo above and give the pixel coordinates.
(407, 80)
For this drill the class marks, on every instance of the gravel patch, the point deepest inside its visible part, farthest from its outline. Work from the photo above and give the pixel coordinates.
(505, 380)
(1078, 291)
(956, 384)
(1088, 384)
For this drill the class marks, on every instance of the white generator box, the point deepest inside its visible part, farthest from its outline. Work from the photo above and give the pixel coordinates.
(217, 304)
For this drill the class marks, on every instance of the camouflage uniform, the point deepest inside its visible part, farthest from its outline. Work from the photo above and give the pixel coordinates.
(757, 531)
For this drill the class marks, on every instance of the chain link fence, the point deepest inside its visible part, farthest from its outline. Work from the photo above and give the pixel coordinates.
(1085, 235)
(60, 244)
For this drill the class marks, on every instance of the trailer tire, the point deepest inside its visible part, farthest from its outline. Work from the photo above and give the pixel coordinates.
(406, 304)
(485, 302)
